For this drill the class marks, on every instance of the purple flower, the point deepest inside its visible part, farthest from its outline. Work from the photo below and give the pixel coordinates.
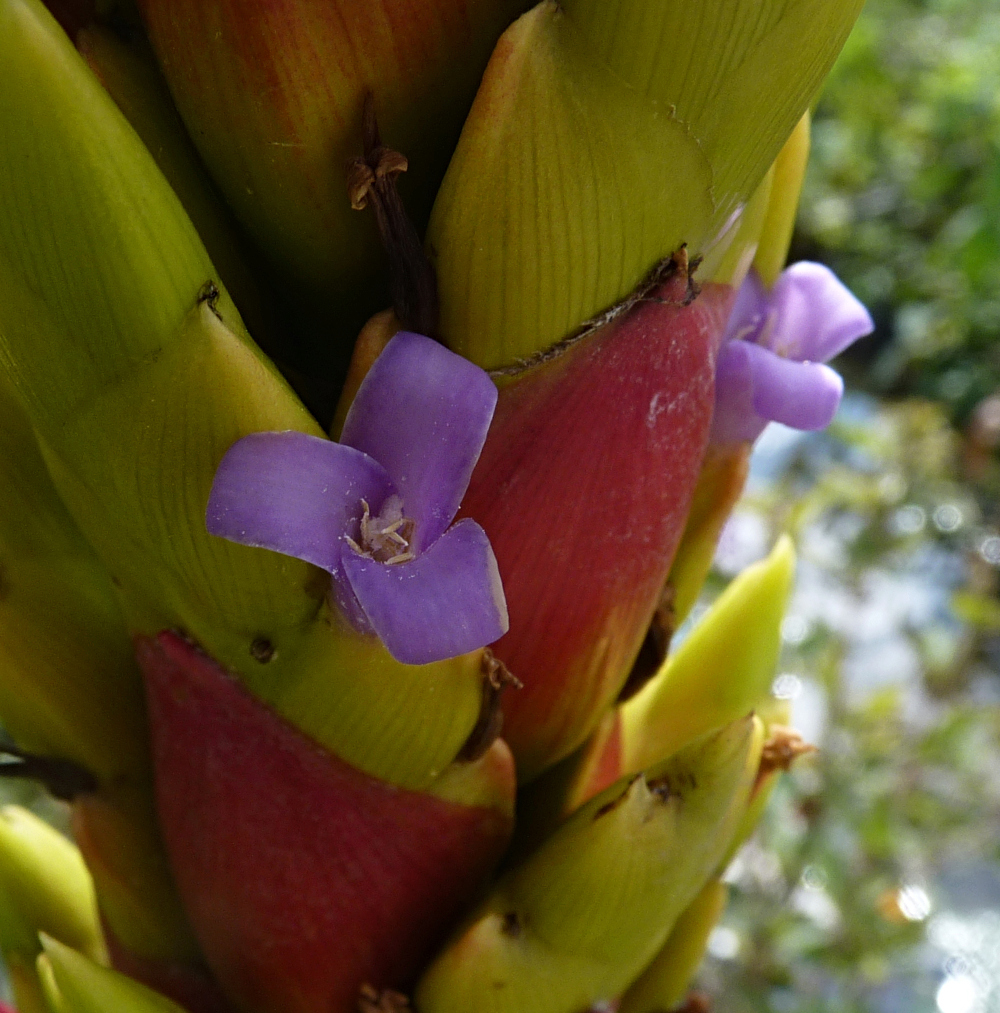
(374, 510)
(771, 364)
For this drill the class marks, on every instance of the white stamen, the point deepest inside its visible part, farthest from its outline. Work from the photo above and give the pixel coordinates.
(403, 557)
(354, 545)
(385, 537)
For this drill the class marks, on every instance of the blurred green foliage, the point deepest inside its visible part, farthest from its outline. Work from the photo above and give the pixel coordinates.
(870, 846)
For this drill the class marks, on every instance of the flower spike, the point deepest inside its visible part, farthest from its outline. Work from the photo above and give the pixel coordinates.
(375, 509)
(771, 365)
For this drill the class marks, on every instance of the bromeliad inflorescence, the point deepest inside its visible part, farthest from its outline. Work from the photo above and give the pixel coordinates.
(305, 793)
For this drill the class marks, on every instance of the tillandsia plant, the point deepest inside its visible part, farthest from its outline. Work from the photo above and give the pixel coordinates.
(352, 660)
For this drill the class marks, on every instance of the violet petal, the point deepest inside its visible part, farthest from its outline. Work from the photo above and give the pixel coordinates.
(446, 602)
(749, 312)
(734, 419)
(295, 494)
(817, 317)
(423, 412)
(803, 395)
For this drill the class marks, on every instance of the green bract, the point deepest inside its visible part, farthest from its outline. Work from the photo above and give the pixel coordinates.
(44, 887)
(723, 669)
(603, 137)
(74, 984)
(579, 919)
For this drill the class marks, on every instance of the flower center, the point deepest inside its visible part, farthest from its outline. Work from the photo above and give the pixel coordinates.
(385, 537)
(767, 338)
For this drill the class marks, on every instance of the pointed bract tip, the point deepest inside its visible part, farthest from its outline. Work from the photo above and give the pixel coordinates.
(788, 174)
(45, 886)
(721, 671)
(75, 984)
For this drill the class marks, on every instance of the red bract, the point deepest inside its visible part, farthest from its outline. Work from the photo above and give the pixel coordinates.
(584, 487)
(304, 878)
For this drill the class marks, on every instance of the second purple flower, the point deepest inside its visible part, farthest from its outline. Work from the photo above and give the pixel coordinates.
(771, 364)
